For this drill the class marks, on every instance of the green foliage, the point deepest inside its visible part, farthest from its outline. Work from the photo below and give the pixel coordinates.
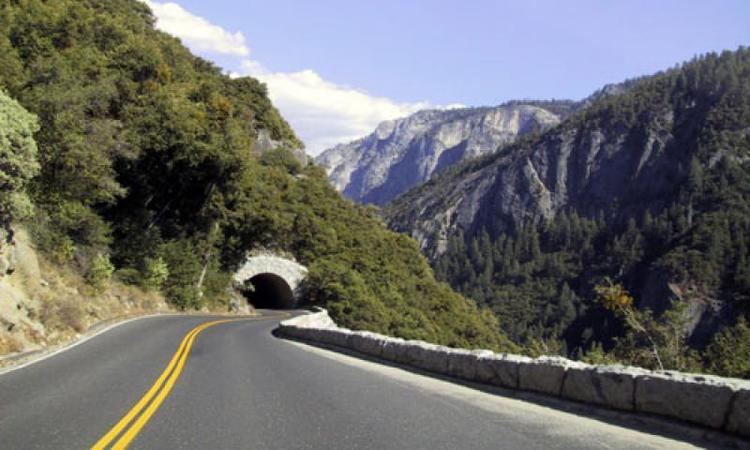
(597, 355)
(184, 297)
(147, 154)
(183, 271)
(684, 227)
(18, 159)
(100, 271)
(726, 355)
(128, 275)
(155, 273)
(81, 224)
(541, 296)
(540, 347)
(368, 277)
(283, 158)
(58, 246)
(526, 278)
(656, 342)
(614, 296)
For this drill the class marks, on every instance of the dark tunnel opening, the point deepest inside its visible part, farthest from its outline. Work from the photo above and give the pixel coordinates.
(269, 291)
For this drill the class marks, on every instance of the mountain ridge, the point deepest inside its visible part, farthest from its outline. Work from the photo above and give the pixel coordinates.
(402, 153)
(648, 187)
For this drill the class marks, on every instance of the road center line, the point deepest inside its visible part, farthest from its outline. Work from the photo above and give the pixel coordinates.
(158, 391)
(115, 430)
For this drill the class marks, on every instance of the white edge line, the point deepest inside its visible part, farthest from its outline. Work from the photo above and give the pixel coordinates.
(78, 342)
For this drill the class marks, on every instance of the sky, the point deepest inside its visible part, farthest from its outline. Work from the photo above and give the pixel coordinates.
(337, 68)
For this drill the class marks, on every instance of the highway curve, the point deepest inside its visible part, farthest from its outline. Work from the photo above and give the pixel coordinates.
(235, 385)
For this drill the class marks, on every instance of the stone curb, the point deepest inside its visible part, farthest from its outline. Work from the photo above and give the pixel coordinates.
(709, 401)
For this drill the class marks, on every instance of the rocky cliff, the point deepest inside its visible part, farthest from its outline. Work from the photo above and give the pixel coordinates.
(402, 153)
(580, 165)
(627, 149)
(648, 183)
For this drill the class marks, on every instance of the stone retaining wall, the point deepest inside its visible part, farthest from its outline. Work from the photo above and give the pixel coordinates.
(709, 401)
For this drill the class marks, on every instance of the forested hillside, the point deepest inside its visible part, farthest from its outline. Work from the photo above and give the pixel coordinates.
(147, 173)
(622, 234)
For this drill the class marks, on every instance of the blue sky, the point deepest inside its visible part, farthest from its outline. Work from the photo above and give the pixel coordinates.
(337, 68)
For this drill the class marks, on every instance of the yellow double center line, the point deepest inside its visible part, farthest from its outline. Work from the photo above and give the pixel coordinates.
(153, 398)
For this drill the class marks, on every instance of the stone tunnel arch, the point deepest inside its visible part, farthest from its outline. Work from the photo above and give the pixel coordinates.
(275, 281)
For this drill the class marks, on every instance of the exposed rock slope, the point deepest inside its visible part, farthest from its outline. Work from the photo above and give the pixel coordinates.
(402, 153)
(619, 155)
(647, 185)
(43, 304)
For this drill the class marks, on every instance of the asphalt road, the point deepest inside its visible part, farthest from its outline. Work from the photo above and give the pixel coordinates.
(240, 387)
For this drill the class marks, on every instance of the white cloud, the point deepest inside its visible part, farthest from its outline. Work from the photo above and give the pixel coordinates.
(324, 114)
(321, 113)
(196, 32)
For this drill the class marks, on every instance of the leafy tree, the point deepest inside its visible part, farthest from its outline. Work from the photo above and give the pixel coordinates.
(147, 155)
(18, 161)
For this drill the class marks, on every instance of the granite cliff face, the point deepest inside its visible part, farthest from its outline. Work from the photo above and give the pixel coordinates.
(588, 162)
(403, 153)
(647, 183)
(579, 165)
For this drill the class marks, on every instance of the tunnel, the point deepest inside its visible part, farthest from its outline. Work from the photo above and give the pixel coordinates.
(269, 291)
(270, 281)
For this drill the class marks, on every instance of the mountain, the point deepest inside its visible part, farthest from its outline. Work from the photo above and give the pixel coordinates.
(403, 153)
(156, 169)
(648, 186)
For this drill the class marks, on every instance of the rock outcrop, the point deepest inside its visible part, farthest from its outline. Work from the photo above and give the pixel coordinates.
(403, 153)
(577, 165)
(43, 305)
(656, 170)
(264, 143)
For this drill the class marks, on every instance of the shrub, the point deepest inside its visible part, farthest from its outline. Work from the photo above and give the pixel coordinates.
(69, 230)
(184, 297)
(155, 273)
(71, 315)
(100, 271)
(60, 247)
(128, 275)
(81, 223)
(597, 355)
(65, 314)
(183, 271)
(726, 355)
(283, 158)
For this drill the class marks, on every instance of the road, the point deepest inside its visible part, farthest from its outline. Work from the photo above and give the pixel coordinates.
(241, 387)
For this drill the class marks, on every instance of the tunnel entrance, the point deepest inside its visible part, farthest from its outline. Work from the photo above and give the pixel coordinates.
(270, 281)
(268, 291)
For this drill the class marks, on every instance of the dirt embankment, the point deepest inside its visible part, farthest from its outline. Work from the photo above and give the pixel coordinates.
(43, 304)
